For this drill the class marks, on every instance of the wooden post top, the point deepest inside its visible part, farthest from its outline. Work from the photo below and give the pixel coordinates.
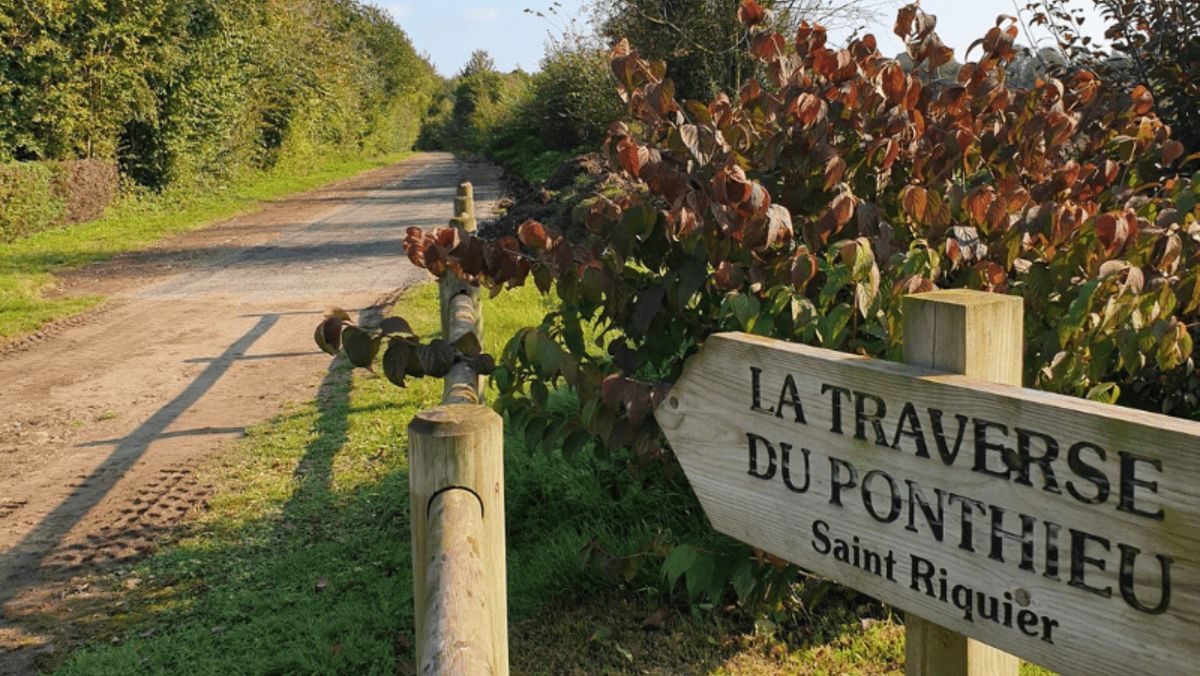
(966, 297)
(974, 333)
(452, 419)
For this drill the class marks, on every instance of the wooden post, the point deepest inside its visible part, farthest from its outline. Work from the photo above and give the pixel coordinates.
(464, 207)
(461, 311)
(980, 335)
(462, 384)
(456, 489)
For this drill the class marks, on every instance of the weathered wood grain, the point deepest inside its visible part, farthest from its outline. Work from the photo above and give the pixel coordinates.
(456, 461)
(456, 633)
(462, 314)
(707, 418)
(461, 307)
(979, 335)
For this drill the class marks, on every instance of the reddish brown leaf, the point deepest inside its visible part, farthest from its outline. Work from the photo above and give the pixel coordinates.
(809, 108)
(892, 79)
(630, 156)
(978, 201)
(824, 62)
(904, 20)
(992, 277)
(835, 168)
(727, 276)
(915, 199)
(656, 619)
(1143, 100)
(532, 234)
(890, 155)
(779, 225)
(769, 46)
(1171, 151)
(842, 207)
(750, 13)
(731, 185)
(1166, 253)
(804, 268)
(1111, 231)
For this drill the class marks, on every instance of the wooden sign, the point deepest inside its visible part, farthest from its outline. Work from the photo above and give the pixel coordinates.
(1063, 531)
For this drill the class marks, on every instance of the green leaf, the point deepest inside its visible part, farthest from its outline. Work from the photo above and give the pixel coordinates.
(647, 306)
(1077, 313)
(587, 413)
(515, 345)
(1107, 393)
(395, 326)
(700, 576)
(574, 444)
(361, 347)
(547, 355)
(539, 393)
(468, 344)
(502, 377)
(692, 274)
(553, 431)
(833, 325)
(699, 112)
(395, 361)
(744, 308)
(679, 561)
(762, 324)
(639, 220)
(573, 335)
(743, 579)
(436, 358)
(533, 432)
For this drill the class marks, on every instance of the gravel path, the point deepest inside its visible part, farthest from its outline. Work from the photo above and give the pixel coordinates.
(103, 421)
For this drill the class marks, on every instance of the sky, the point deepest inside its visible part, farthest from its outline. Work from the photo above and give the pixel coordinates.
(450, 30)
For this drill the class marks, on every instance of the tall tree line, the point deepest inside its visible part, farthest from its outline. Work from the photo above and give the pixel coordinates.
(184, 90)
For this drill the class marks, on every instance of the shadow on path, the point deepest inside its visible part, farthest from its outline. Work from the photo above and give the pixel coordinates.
(21, 567)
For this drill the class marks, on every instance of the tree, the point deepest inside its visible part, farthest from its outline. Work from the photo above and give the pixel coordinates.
(480, 62)
(702, 39)
(1152, 42)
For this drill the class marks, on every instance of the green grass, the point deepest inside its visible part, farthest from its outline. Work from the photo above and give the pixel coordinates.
(301, 562)
(27, 266)
(532, 163)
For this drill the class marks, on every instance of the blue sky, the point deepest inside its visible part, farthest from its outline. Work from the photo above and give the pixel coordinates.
(450, 30)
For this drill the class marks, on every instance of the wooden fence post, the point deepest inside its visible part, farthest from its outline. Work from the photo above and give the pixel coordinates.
(980, 335)
(464, 207)
(456, 489)
(461, 311)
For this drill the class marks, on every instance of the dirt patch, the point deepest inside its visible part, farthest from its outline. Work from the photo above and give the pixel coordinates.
(206, 334)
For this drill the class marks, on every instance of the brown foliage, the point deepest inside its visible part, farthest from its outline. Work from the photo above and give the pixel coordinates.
(806, 204)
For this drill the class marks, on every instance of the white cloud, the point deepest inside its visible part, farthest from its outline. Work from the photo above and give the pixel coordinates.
(480, 14)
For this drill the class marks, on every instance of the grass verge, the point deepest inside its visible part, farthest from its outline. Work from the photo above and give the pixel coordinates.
(27, 266)
(532, 163)
(301, 561)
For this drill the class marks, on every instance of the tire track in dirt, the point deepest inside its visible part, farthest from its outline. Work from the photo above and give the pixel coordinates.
(103, 421)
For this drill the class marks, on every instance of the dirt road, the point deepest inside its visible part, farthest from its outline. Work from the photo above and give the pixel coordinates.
(102, 423)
